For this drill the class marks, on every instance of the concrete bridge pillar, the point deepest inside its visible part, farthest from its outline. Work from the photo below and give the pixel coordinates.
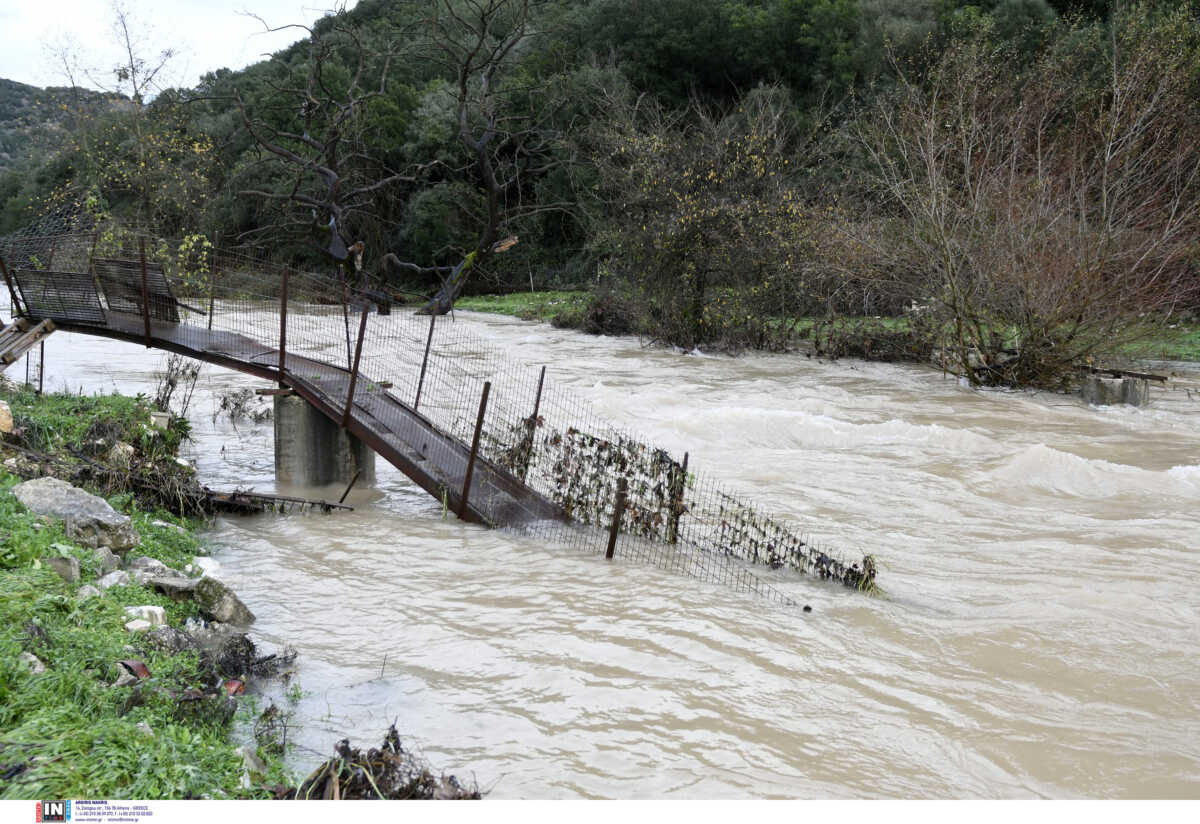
(312, 450)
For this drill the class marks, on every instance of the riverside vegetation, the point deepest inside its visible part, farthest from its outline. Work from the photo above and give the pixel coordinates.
(1021, 173)
(93, 706)
(69, 727)
(844, 336)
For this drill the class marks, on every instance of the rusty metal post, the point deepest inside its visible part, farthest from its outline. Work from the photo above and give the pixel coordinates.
(618, 511)
(349, 486)
(282, 324)
(41, 367)
(362, 330)
(533, 422)
(212, 278)
(424, 362)
(462, 504)
(145, 288)
(677, 490)
(92, 263)
(346, 311)
(12, 291)
(537, 401)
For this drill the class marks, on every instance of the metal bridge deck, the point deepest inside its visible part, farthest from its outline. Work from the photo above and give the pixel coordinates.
(435, 460)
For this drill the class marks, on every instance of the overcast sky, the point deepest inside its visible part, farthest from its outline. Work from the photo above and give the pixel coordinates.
(205, 34)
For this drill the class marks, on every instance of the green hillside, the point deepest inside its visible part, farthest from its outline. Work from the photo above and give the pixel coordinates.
(710, 169)
(33, 120)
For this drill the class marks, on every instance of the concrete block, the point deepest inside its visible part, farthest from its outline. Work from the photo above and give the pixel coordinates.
(1135, 391)
(312, 450)
(1100, 391)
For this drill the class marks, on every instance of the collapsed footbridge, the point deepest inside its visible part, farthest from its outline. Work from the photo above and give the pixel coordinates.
(496, 442)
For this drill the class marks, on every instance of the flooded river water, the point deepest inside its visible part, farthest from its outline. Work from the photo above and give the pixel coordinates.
(1039, 636)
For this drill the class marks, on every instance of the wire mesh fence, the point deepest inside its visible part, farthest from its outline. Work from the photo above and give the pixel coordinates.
(545, 462)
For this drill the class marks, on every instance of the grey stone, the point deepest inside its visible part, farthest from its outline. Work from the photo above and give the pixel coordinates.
(176, 587)
(108, 561)
(31, 661)
(155, 574)
(145, 566)
(218, 602)
(144, 729)
(121, 454)
(67, 568)
(250, 760)
(138, 625)
(118, 578)
(87, 591)
(169, 639)
(124, 678)
(89, 519)
(156, 615)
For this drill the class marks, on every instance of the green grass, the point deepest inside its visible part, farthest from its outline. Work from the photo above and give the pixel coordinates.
(526, 305)
(51, 421)
(66, 733)
(75, 733)
(1181, 343)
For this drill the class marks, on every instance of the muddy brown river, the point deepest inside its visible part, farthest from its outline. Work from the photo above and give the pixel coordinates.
(1039, 635)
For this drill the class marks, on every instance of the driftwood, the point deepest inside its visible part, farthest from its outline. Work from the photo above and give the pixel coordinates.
(246, 501)
(389, 772)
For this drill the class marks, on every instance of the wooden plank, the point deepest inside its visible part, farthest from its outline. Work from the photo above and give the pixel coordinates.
(1125, 373)
(26, 341)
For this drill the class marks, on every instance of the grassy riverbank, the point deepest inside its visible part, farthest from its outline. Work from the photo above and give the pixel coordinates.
(545, 306)
(1178, 341)
(66, 729)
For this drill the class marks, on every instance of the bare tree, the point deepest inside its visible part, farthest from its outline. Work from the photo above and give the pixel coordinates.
(1051, 221)
(136, 147)
(323, 149)
(475, 39)
(136, 75)
(501, 131)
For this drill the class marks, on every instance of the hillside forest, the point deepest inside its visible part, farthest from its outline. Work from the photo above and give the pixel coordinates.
(1012, 186)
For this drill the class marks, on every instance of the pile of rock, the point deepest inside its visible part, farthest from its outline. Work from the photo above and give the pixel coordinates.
(91, 522)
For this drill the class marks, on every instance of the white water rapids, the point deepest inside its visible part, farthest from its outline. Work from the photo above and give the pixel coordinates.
(1039, 636)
